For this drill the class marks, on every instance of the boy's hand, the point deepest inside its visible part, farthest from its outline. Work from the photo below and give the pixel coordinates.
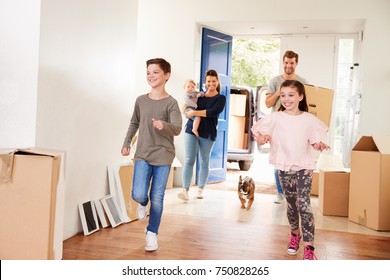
(157, 124)
(125, 151)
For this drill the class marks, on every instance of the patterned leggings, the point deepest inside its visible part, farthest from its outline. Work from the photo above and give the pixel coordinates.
(297, 188)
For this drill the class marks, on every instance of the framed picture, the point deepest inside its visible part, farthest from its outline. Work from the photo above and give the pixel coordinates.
(111, 209)
(88, 217)
(101, 213)
(118, 192)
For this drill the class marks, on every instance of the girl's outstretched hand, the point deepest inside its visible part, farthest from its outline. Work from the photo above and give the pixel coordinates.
(263, 139)
(320, 146)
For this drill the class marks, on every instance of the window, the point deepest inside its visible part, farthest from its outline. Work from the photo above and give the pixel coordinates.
(345, 121)
(255, 61)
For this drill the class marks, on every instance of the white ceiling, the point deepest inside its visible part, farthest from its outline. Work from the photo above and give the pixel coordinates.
(286, 27)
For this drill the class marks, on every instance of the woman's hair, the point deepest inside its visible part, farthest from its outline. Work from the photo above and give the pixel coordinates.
(164, 65)
(213, 73)
(301, 91)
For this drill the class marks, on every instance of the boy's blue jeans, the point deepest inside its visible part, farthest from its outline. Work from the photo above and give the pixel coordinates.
(144, 173)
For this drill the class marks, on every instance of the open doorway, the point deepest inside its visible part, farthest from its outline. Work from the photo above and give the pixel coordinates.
(256, 60)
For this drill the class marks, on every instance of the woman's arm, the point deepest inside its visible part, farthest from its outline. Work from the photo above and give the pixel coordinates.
(190, 113)
(214, 111)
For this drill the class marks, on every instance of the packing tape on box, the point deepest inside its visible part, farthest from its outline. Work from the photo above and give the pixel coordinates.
(6, 167)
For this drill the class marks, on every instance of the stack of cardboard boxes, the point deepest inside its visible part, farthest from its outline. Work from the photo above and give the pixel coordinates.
(236, 137)
(363, 193)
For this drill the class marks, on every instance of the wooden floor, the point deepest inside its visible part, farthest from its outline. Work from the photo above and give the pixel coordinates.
(215, 228)
(182, 237)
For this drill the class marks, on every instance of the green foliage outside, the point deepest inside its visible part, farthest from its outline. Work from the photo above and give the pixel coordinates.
(255, 61)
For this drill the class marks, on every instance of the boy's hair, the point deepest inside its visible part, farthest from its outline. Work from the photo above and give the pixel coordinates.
(301, 91)
(213, 73)
(164, 65)
(291, 54)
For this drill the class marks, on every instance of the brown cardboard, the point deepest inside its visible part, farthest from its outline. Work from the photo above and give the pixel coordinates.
(315, 183)
(245, 142)
(236, 132)
(30, 206)
(237, 105)
(126, 174)
(320, 102)
(369, 198)
(333, 192)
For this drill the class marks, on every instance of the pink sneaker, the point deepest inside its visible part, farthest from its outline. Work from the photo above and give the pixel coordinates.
(309, 253)
(293, 245)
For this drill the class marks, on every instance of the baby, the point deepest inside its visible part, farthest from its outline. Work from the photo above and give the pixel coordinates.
(190, 99)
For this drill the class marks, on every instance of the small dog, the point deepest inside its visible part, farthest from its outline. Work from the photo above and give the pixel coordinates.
(246, 192)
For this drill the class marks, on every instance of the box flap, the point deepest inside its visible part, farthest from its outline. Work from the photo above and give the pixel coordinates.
(383, 143)
(41, 151)
(7, 156)
(366, 143)
(33, 151)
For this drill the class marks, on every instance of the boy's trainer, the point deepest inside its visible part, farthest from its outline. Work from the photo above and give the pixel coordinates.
(141, 212)
(151, 241)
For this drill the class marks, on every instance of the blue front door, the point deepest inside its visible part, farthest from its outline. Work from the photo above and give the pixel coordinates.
(217, 55)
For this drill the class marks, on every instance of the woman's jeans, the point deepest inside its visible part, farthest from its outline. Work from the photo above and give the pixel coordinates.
(144, 173)
(192, 146)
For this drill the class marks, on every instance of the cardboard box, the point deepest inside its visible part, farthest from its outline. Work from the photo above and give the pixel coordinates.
(369, 198)
(245, 142)
(237, 105)
(236, 132)
(31, 204)
(315, 182)
(320, 102)
(333, 192)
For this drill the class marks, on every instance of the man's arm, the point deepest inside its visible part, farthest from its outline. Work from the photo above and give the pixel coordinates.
(271, 99)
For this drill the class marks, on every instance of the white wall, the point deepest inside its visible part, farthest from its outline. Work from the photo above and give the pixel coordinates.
(375, 59)
(85, 91)
(19, 41)
(92, 66)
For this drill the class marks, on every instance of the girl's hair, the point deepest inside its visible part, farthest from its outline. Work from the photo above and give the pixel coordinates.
(213, 73)
(164, 65)
(301, 91)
